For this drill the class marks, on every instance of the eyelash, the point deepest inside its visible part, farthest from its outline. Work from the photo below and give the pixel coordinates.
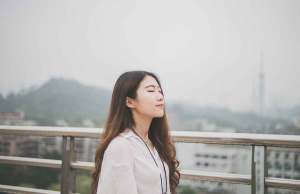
(153, 91)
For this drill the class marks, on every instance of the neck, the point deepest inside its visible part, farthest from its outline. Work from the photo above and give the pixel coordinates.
(142, 124)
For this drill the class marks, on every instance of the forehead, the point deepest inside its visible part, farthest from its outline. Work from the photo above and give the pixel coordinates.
(148, 80)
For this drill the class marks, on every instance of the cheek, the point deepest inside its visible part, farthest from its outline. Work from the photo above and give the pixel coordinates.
(146, 101)
(146, 98)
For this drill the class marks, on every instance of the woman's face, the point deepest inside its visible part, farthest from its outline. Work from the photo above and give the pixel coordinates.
(149, 100)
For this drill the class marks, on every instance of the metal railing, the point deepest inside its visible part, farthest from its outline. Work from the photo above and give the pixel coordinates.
(69, 164)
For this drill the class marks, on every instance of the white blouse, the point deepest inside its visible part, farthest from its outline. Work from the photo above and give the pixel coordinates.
(128, 167)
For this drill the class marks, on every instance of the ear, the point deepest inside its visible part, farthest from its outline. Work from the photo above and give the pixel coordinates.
(130, 102)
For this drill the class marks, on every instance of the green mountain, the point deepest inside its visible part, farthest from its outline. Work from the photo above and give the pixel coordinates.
(59, 99)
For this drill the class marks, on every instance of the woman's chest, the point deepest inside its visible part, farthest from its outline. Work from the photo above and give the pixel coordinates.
(147, 167)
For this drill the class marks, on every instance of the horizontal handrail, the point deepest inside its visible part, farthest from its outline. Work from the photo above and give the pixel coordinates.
(83, 165)
(216, 176)
(25, 190)
(37, 162)
(270, 140)
(273, 140)
(283, 183)
(50, 131)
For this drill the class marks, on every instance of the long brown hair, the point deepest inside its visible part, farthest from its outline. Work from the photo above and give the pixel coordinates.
(120, 117)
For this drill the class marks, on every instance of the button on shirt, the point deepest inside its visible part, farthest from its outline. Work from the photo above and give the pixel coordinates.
(128, 167)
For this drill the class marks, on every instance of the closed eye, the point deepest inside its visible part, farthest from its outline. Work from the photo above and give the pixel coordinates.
(154, 91)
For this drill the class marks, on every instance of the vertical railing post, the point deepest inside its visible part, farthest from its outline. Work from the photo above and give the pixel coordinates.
(68, 175)
(265, 162)
(261, 169)
(253, 171)
(72, 159)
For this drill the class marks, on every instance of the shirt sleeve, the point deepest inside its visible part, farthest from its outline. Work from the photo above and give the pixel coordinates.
(117, 175)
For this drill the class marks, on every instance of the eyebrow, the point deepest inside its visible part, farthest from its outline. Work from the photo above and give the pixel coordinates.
(152, 86)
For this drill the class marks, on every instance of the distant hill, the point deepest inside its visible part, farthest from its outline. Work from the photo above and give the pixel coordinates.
(201, 118)
(59, 99)
(73, 102)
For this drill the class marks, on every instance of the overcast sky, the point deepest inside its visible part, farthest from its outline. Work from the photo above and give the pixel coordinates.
(205, 52)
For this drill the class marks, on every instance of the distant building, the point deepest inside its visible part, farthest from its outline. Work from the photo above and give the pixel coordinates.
(283, 163)
(215, 158)
(12, 116)
(15, 118)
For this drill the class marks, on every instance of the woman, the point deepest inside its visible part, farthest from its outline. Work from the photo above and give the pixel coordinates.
(136, 154)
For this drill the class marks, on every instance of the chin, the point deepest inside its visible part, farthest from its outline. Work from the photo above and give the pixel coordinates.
(159, 115)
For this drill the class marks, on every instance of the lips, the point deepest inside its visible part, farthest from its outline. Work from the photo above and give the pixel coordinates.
(160, 105)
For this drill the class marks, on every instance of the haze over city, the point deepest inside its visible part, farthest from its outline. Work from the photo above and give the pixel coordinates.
(205, 52)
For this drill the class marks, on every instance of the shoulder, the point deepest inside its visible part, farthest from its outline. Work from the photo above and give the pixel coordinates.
(122, 143)
(119, 152)
(118, 144)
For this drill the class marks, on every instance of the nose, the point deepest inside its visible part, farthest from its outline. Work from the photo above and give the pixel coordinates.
(160, 97)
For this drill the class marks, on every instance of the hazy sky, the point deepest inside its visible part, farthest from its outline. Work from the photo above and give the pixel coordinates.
(205, 52)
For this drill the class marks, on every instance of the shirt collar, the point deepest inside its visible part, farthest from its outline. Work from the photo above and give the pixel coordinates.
(128, 133)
